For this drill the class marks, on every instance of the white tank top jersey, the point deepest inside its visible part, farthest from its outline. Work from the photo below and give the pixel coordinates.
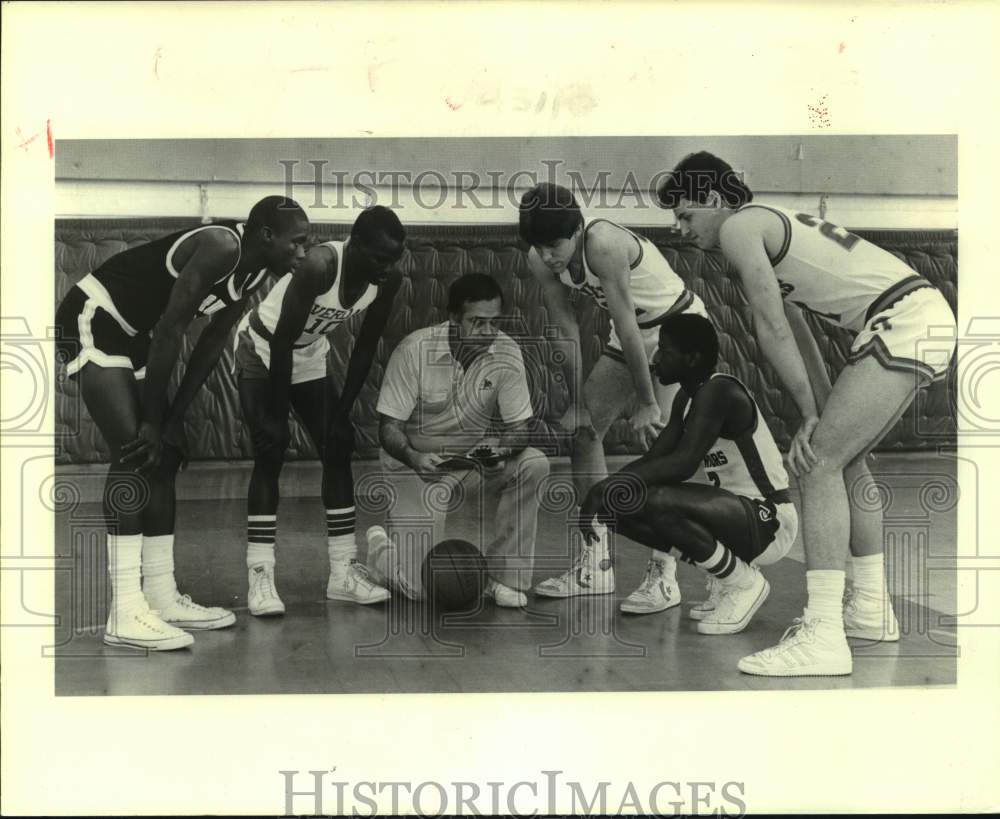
(832, 272)
(750, 464)
(654, 285)
(327, 312)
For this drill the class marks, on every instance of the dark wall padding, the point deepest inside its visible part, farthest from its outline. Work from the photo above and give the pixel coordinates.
(434, 257)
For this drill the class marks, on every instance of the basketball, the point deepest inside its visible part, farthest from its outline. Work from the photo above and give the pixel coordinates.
(454, 575)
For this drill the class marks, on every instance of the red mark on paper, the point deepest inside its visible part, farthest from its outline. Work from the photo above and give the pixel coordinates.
(25, 141)
(454, 106)
(819, 114)
(840, 48)
(156, 62)
(48, 136)
(372, 71)
(309, 68)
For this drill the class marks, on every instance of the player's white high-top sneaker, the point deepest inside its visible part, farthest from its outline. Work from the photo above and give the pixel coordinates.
(736, 606)
(505, 596)
(585, 578)
(184, 613)
(811, 647)
(262, 597)
(141, 627)
(703, 607)
(353, 583)
(657, 592)
(869, 618)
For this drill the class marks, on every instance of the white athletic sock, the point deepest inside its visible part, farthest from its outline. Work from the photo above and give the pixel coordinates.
(260, 539)
(341, 543)
(869, 575)
(727, 568)
(825, 589)
(125, 571)
(158, 582)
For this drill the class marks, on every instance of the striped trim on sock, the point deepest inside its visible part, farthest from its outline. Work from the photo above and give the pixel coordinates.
(340, 522)
(721, 564)
(261, 529)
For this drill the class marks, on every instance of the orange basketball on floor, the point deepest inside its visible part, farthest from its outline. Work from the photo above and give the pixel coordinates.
(454, 575)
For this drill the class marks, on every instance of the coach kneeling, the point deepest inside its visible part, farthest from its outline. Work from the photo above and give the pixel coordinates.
(443, 388)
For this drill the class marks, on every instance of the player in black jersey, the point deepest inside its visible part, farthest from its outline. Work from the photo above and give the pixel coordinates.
(123, 324)
(713, 485)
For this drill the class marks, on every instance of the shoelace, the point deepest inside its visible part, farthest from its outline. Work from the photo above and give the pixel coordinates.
(263, 580)
(360, 572)
(798, 625)
(654, 571)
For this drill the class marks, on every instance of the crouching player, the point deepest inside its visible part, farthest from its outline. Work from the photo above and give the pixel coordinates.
(741, 517)
(281, 360)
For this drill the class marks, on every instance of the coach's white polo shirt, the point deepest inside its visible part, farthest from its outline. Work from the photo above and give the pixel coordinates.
(445, 406)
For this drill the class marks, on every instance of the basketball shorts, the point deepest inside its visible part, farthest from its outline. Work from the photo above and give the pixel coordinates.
(914, 332)
(650, 331)
(92, 330)
(253, 356)
(773, 528)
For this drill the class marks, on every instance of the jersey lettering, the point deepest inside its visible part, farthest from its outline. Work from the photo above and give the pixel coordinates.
(325, 318)
(716, 459)
(842, 237)
(596, 293)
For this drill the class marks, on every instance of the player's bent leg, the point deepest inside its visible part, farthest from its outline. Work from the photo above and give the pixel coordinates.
(605, 396)
(511, 554)
(851, 424)
(263, 498)
(712, 528)
(112, 398)
(349, 579)
(158, 582)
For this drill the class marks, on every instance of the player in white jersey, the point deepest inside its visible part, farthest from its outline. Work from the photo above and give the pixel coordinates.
(712, 486)
(780, 254)
(629, 278)
(281, 360)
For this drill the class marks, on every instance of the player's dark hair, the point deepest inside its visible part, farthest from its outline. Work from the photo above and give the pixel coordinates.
(472, 287)
(697, 176)
(376, 220)
(691, 333)
(549, 212)
(276, 212)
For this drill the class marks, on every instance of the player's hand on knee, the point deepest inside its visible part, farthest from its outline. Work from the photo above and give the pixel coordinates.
(647, 424)
(801, 457)
(143, 453)
(174, 450)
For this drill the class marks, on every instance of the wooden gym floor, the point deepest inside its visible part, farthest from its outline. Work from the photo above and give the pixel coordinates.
(581, 644)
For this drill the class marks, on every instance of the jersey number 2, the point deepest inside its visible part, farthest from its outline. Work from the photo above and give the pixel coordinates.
(842, 237)
(714, 478)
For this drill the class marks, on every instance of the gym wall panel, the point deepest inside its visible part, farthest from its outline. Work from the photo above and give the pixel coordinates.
(434, 257)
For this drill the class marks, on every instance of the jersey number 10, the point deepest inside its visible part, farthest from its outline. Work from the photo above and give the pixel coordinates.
(837, 234)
